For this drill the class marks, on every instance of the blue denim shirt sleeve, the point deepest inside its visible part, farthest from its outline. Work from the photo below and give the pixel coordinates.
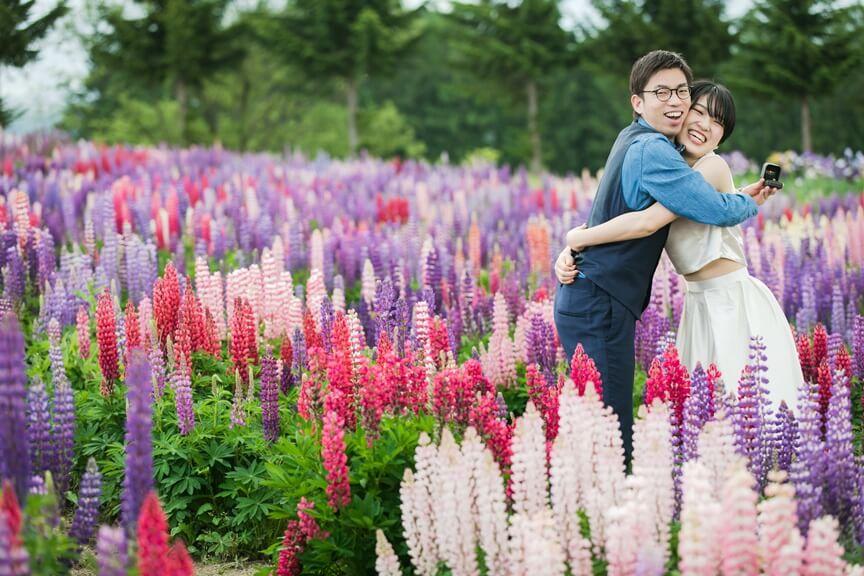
(653, 170)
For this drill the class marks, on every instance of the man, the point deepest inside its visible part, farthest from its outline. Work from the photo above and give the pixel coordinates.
(598, 305)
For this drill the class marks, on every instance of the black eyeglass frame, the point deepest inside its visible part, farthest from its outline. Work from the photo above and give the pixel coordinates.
(687, 89)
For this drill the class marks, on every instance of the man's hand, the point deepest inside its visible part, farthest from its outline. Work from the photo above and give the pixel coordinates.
(759, 192)
(565, 267)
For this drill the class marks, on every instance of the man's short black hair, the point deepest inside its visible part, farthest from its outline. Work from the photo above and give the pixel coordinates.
(649, 64)
(720, 104)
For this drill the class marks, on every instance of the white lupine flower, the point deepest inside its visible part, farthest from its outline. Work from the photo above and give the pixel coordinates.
(490, 505)
(535, 548)
(700, 512)
(418, 519)
(529, 476)
(387, 563)
(716, 448)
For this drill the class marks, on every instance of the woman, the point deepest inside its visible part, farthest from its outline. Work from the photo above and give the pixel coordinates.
(724, 305)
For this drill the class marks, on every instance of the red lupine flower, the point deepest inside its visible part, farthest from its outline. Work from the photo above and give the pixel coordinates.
(495, 431)
(655, 384)
(9, 505)
(210, 342)
(82, 320)
(439, 341)
(820, 344)
(183, 342)
(178, 562)
(152, 538)
(678, 380)
(844, 362)
(583, 370)
(805, 357)
(310, 332)
(166, 302)
(545, 398)
(242, 345)
(308, 524)
(106, 337)
(340, 380)
(130, 323)
(823, 377)
(335, 461)
(454, 390)
(293, 544)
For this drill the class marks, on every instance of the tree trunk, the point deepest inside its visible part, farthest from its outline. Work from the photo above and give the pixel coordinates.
(806, 136)
(536, 152)
(182, 100)
(244, 113)
(351, 93)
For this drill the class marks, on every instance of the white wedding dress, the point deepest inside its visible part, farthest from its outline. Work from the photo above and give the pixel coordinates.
(721, 314)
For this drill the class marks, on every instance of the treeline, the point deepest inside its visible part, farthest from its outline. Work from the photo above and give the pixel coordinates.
(501, 79)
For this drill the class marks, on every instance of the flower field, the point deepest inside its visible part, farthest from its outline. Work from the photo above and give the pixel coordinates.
(350, 367)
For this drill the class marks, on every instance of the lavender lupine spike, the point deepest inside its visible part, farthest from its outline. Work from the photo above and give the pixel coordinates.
(696, 412)
(87, 513)
(835, 343)
(327, 314)
(270, 398)
(14, 440)
(298, 363)
(63, 430)
(111, 551)
(749, 420)
(157, 368)
(808, 468)
(786, 435)
(858, 345)
(182, 386)
(840, 461)
(838, 311)
(39, 428)
(13, 276)
(138, 480)
(238, 413)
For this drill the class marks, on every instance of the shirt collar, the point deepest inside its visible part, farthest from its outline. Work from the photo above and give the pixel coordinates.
(678, 147)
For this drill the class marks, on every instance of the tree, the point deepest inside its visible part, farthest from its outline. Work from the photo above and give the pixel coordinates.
(696, 29)
(516, 47)
(18, 33)
(798, 49)
(344, 40)
(175, 46)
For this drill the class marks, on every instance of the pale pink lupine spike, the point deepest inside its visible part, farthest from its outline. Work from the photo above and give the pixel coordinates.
(367, 282)
(316, 291)
(499, 362)
(316, 250)
(780, 541)
(528, 469)
(700, 511)
(738, 528)
(421, 320)
(453, 509)
(418, 518)
(823, 554)
(716, 448)
(535, 547)
(387, 563)
(491, 505)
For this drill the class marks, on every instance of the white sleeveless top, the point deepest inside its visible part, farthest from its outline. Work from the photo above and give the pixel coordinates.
(692, 245)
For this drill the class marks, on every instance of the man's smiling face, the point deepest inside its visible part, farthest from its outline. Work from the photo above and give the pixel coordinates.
(665, 117)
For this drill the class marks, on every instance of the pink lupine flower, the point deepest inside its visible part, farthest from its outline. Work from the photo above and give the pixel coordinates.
(737, 534)
(780, 542)
(335, 461)
(106, 337)
(823, 554)
(583, 370)
(82, 320)
(698, 548)
(529, 470)
(386, 563)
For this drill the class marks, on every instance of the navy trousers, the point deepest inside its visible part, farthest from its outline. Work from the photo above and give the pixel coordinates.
(586, 314)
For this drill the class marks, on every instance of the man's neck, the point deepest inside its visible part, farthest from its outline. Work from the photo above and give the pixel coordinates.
(645, 123)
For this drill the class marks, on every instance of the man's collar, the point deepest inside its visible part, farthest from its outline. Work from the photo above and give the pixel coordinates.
(678, 147)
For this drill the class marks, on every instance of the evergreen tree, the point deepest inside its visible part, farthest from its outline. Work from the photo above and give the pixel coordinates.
(798, 50)
(18, 33)
(515, 46)
(344, 40)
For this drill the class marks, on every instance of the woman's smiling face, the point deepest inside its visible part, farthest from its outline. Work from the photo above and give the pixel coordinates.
(701, 133)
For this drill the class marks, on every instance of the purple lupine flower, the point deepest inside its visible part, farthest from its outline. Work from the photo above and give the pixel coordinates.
(383, 304)
(39, 428)
(697, 411)
(327, 314)
(835, 343)
(47, 262)
(157, 369)
(139, 439)
(63, 431)
(55, 352)
(182, 387)
(432, 277)
(751, 440)
(838, 311)
(269, 398)
(13, 280)
(808, 468)
(840, 464)
(238, 413)
(785, 437)
(369, 329)
(14, 439)
(298, 362)
(111, 551)
(87, 513)
(858, 345)
(806, 317)
(14, 559)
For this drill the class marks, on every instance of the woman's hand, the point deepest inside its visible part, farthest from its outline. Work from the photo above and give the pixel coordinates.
(574, 238)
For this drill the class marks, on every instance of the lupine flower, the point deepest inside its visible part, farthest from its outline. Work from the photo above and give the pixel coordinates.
(270, 398)
(737, 534)
(786, 434)
(106, 337)
(152, 537)
(386, 563)
(335, 461)
(14, 559)
(166, 302)
(111, 552)
(780, 541)
(697, 411)
(858, 345)
(83, 329)
(583, 370)
(752, 439)
(823, 554)
(14, 439)
(820, 344)
(138, 480)
(133, 335)
(805, 356)
(839, 456)
(286, 355)
(293, 544)
(39, 428)
(238, 413)
(178, 562)
(808, 468)
(87, 513)
(529, 472)
(701, 514)
(182, 386)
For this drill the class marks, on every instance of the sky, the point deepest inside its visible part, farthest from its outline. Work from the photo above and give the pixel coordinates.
(40, 89)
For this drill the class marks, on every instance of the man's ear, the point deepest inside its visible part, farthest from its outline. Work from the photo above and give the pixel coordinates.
(637, 102)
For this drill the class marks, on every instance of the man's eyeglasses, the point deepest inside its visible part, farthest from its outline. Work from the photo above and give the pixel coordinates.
(664, 94)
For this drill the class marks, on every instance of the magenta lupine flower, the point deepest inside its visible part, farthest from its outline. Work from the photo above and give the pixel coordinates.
(840, 464)
(335, 461)
(138, 481)
(270, 397)
(111, 551)
(39, 428)
(182, 387)
(87, 513)
(14, 440)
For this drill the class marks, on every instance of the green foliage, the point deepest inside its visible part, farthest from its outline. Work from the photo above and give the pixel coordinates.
(50, 550)
(386, 133)
(150, 123)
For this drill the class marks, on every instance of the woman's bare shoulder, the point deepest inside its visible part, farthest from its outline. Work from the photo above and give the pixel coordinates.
(717, 172)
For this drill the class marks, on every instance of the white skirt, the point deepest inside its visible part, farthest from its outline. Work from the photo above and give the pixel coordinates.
(719, 317)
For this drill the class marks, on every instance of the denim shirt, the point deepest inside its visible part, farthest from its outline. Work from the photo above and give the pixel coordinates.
(653, 170)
